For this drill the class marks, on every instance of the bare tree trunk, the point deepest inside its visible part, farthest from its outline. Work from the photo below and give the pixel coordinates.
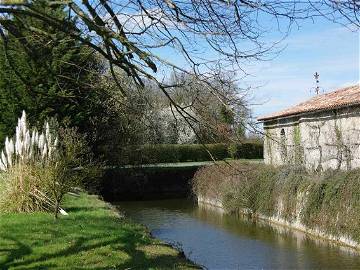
(56, 209)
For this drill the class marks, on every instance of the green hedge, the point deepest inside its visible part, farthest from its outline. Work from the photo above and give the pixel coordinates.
(169, 153)
(251, 150)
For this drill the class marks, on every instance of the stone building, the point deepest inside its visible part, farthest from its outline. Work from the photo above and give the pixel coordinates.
(321, 133)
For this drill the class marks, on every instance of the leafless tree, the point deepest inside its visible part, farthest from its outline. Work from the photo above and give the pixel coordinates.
(222, 114)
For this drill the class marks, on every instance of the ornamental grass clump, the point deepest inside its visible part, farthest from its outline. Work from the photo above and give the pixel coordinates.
(38, 168)
(21, 163)
(28, 146)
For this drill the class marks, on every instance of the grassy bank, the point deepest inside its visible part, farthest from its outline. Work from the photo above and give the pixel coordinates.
(93, 236)
(329, 202)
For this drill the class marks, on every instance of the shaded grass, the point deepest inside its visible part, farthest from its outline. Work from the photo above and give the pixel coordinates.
(93, 236)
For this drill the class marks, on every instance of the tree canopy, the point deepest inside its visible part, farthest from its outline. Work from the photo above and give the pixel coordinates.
(47, 74)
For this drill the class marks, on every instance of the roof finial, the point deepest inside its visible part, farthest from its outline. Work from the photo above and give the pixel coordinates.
(317, 88)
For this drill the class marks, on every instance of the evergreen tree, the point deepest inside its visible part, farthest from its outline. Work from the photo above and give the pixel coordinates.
(47, 74)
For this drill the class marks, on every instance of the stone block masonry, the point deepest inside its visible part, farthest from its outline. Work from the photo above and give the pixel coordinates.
(318, 137)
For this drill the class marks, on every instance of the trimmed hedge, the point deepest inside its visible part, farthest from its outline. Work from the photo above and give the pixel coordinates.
(251, 150)
(171, 153)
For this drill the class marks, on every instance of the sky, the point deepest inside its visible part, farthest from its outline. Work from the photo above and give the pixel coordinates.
(324, 47)
(321, 46)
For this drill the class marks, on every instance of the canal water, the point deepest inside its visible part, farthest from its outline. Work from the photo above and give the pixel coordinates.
(220, 241)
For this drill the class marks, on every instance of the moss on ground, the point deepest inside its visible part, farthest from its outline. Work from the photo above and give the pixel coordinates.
(93, 236)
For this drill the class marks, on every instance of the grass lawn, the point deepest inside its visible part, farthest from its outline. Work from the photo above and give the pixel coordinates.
(91, 237)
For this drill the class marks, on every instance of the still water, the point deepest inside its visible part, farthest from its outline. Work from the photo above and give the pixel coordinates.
(219, 241)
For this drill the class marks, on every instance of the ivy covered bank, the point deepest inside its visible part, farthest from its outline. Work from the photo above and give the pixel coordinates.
(325, 205)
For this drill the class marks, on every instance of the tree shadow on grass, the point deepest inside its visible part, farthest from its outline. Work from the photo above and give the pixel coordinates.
(100, 233)
(15, 250)
(83, 208)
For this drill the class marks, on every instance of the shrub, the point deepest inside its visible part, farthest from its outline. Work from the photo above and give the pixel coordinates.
(73, 166)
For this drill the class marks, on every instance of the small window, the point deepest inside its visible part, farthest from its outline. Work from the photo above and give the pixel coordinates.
(283, 148)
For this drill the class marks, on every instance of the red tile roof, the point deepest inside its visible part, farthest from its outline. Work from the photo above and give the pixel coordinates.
(340, 98)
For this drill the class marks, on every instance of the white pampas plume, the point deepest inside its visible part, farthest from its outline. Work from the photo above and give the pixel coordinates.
(50, 151)
(11, 146)
(9, 149)
(27, 142)
(28, 145)
(56, 142)
(2, 166)
(23, 116)
(3, 159)
(44, 151)
(32, 143)
(50, 139)
(23, 124)
(18, 147)
(33, 137)
(47, 132)
(17, 139)
(36, 139)
(7, 145)
(41, 141)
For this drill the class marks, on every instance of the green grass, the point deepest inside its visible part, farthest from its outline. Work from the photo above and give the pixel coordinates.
(93, 236)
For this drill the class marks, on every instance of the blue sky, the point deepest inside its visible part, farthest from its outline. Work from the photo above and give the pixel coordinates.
(320, 46)
(329, 49)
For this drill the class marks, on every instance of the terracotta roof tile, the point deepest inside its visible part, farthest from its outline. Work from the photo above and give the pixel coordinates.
(340, 98)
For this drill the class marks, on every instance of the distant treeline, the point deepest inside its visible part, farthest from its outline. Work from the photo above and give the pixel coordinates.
(169, 153)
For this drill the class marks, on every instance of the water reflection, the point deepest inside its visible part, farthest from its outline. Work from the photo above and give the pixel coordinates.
(219, 241)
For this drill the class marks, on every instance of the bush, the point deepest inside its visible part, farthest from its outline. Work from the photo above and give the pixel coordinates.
(74, 166)
(172, 153)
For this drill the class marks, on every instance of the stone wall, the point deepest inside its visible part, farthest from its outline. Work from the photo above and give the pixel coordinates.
(278, 220)
(323, 140)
